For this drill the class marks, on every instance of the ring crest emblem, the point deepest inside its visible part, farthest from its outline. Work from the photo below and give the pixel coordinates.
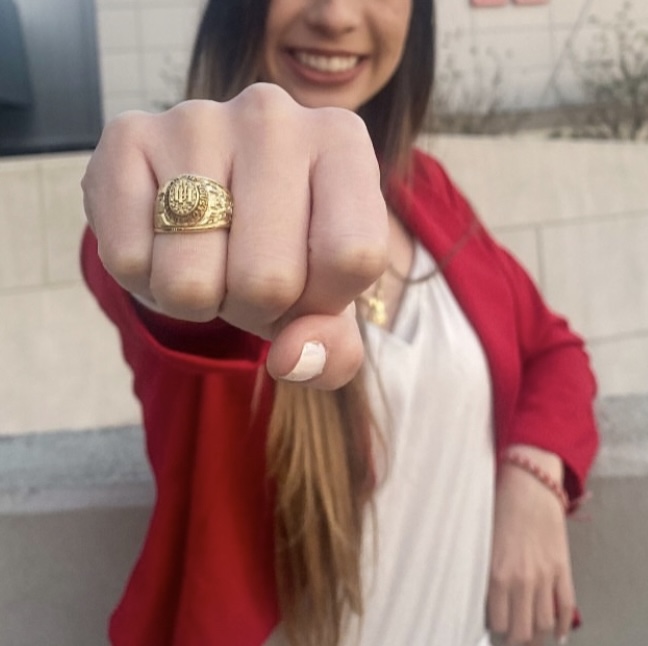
(192, 203)
(186, 200)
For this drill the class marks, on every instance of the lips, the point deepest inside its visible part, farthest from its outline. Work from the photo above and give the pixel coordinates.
(324, 68)
(327, 63)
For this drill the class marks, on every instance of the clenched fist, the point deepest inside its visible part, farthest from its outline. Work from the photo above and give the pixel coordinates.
(309, 230)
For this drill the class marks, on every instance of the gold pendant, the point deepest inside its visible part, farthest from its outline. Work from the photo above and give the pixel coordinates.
(377, 310)
(374, 307)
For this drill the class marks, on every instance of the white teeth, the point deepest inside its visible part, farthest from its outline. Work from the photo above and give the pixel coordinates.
(327, 63)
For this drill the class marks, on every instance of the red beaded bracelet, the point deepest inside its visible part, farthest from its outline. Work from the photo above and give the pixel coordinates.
(531, 467)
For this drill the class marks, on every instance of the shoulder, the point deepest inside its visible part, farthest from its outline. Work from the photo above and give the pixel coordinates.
(429, 175)
(429, 199)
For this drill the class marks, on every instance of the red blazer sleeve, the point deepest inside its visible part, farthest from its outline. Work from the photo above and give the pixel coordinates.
(554, 407)
(205, 574)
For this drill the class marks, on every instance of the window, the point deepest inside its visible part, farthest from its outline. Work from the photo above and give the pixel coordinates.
(49, 80)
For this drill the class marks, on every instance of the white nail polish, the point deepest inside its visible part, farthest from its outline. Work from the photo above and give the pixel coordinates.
(562, 640)
(310, 364)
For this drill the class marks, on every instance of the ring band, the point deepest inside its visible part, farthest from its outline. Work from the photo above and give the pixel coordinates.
(192, 203)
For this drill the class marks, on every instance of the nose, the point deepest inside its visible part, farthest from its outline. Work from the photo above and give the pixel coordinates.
(334, 17)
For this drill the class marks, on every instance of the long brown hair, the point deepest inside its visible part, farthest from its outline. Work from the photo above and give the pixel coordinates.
(319, 443)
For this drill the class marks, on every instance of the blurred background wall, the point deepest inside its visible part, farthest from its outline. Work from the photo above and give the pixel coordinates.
(574, 211)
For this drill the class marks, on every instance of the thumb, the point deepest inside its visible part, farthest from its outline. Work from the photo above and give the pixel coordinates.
(324, 351)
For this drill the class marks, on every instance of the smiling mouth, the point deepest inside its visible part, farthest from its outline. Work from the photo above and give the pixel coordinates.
(327, 64)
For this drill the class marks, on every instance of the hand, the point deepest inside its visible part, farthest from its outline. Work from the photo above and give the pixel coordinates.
(309, 231)
(531, 590)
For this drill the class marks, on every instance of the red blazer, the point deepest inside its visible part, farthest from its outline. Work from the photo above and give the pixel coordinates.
(205, 573)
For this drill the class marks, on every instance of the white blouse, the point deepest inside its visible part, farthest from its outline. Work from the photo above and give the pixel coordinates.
(431, 395)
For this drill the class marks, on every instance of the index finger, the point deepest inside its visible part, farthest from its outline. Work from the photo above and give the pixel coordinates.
(119, 189)
(348, 234)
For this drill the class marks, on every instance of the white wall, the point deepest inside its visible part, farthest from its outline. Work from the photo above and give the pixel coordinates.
(61, 365)
(143, 41)
(530, 44)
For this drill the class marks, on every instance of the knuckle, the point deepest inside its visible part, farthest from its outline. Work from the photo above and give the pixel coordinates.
(263, 102)
(343, 130)
(343, 122)
(509, 576)
(272, 290)
(497, 624)
(126, 127)
(360, 257)
(127, 131)
(545, 624)
(87, 180)
(544, 576)
(192, 112)
(499, 580)
(187, 295)
(126, 265)
(566, 607)
(521, 636)
(118, 137)
(88, 192)
(522, 581)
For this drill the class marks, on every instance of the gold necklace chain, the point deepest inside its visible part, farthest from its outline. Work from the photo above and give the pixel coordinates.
(407, 280)
(374, 303)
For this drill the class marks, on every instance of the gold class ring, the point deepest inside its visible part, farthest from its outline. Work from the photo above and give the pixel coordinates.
(192, 203)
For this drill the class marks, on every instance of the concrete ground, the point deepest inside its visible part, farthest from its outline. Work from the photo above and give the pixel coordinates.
(62, 572)
(74, 508)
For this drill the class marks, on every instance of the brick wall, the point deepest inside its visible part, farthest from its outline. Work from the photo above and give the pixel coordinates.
(575, 213)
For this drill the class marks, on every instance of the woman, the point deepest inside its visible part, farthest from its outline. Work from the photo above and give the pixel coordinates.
(331, 505)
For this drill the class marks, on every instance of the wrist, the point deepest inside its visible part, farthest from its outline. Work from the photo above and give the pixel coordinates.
(549, 462)
(541, 468)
